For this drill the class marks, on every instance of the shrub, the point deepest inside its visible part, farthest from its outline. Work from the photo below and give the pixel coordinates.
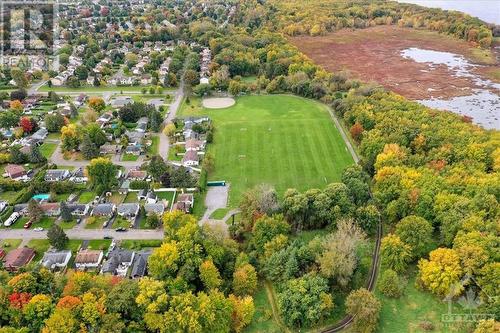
(390, 284)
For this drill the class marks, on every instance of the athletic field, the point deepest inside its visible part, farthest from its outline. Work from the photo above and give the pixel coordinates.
(285, 141)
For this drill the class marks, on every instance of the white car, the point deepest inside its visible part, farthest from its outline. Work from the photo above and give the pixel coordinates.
(38, 229)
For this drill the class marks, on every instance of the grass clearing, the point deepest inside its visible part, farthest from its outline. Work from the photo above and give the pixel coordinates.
(68, 225)
(155, 145)
(282, 140)
(140, 244)
(129, 157)
(86, 197)
(99, 244)
(219, 214)
(40, 246)
(406, 313)
(9, 244)
(263, 320)
(47, 149)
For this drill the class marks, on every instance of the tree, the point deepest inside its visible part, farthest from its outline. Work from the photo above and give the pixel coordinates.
(153, 221)
(487, 326)
(417, 233)
(35, 212)
(169, 129)
(338, 257)
(36, 156)
(27, 124)
(441, 273)
(16, 106)
(208, 163)
(70, 137)
(155, 121)
(356, 132)
(61, 321)
(57, 237)
(96, 134)
(54, 122)
(390, 284)
(102, 174)
(266, 228)
(257, 201)
(209, 275)
(304, 301)
(82, 72)
(65, 212)
(19, 77)
(367, 217)
(202, 90)
(9, 119)
(97, 103)
(121, 300)
(16, 155)
(73, 82)
(395, 254)
(365, 308)
(164, 260)
(37, 311)
(244, 280)
(157, 167)
(243, 311)
(191, 77)
(88, 148)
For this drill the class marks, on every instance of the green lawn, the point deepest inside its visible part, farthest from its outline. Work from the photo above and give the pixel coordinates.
(414, 307)
(131, 197)
(47, 149)
(68, 225)
(86, 197)
(40, 246)
(99, 221)
(155, 144)
(219, 214)
(45, 222)
(263, 320)
(99, 244)
(140, 244)
(285, 141)
(169, 196)
(8, 196)
(9, 244)
(91, 89)
(117, 198)
(129, 157)
(121, 222)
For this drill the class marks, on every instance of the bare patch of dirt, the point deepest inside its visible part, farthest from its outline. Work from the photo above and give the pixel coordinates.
(374, 54)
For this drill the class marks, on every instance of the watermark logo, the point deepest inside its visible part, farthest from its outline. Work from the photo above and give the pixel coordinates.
(28, 32)
(470, 302)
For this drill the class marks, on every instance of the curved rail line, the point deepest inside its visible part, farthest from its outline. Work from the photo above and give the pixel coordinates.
(370, 284)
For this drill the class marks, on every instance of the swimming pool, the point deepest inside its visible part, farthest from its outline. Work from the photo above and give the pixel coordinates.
(42, 196)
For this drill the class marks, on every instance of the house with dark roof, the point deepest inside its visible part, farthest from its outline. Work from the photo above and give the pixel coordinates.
(154, 208)
(104, 209)
(118, 262)
(18, 258)
(41, 134)
(56, 260)
(184, 202)
(140, 266)
(135, 149)
(78, 176)
(128, 210)
(88, 259)
(78, 209)
(56, 175)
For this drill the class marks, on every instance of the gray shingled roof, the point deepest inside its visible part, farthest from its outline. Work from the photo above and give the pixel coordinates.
(139, 267)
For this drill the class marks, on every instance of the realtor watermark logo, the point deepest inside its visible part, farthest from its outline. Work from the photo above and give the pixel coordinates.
(28, 32)
(469, 302)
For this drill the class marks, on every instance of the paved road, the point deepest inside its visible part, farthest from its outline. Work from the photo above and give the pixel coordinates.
(83, 234)
(34, 87)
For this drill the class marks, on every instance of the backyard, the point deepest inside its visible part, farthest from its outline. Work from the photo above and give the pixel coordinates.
(285, 141)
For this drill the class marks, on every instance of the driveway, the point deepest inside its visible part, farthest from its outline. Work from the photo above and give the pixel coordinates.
(216, 198)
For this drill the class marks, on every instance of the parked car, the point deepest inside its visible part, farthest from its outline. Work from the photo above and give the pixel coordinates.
(78, 221)
(121, 229)
(28, 224)
(38, 229)
(108, 237)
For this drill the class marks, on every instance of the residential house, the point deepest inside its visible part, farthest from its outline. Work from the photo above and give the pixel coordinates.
(2, 253)
(140, 266)
(88, 259)
(141, 195)
(104, 209)
(118, 262)
(142, 124)
(57, 175)
(78, 176)
(51, 208)
(151, 197)
(18, 258)
(184, 202)
(78, 209)
(204, 80)
(124, 187)
(104, 119)
(53, 259)
(110, 149)
(146, 79)
(16, 172)
(196, 145)
(40, 135)
(128, 210)
(135, 137)
(80, 100)
(154, 208)
(121, 80)
(135, 149)
(120, 101)
(137, 175)
(190, 158)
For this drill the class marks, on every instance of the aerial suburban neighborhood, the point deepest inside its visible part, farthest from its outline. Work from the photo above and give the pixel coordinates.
(249, 166)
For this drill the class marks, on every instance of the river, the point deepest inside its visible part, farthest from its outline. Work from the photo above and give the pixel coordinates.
(486, 10)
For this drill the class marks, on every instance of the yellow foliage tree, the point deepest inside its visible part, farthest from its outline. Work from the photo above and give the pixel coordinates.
(441, 273)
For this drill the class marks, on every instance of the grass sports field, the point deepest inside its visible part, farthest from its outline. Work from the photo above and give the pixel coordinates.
(285, 141)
